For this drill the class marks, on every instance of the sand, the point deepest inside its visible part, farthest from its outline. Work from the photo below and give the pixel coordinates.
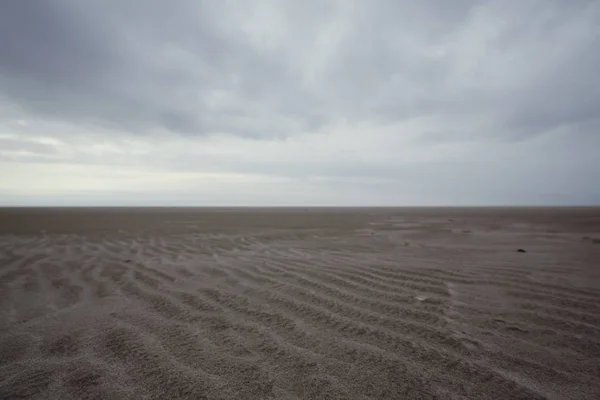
(300, 304)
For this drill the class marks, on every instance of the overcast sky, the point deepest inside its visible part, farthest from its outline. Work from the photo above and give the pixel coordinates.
(312, 102)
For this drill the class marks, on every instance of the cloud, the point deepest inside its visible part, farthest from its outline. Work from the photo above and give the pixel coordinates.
(474, 102)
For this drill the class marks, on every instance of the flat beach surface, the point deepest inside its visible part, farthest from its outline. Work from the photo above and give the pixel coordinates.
(403, 303)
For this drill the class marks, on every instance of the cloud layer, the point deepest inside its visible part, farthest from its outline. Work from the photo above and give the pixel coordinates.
(290, 103)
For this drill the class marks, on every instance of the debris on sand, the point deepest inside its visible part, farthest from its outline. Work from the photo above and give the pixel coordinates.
(521, 251)
(591, 239)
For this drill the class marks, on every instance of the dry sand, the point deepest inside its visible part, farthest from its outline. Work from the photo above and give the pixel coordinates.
(300, 304)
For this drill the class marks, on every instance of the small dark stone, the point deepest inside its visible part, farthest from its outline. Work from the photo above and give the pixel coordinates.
(127, 261)
(521, 251)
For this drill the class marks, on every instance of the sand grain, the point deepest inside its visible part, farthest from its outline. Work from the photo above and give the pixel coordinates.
(295, 304)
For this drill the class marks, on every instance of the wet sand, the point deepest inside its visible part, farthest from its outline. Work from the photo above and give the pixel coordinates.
(300, 304)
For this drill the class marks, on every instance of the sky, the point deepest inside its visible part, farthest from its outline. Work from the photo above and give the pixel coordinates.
(286, 102)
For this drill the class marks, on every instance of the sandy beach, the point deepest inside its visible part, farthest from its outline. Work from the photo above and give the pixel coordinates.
(403, 303)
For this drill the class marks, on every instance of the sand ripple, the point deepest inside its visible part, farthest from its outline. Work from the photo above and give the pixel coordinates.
(384, 304)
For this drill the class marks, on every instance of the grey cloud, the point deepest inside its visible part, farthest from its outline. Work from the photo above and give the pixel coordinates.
(117, 64)
(463, 73)
(536, 73)
(19, 145)
(150, 64)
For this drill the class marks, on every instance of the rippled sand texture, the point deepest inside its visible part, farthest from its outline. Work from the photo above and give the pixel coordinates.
(300, 304)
